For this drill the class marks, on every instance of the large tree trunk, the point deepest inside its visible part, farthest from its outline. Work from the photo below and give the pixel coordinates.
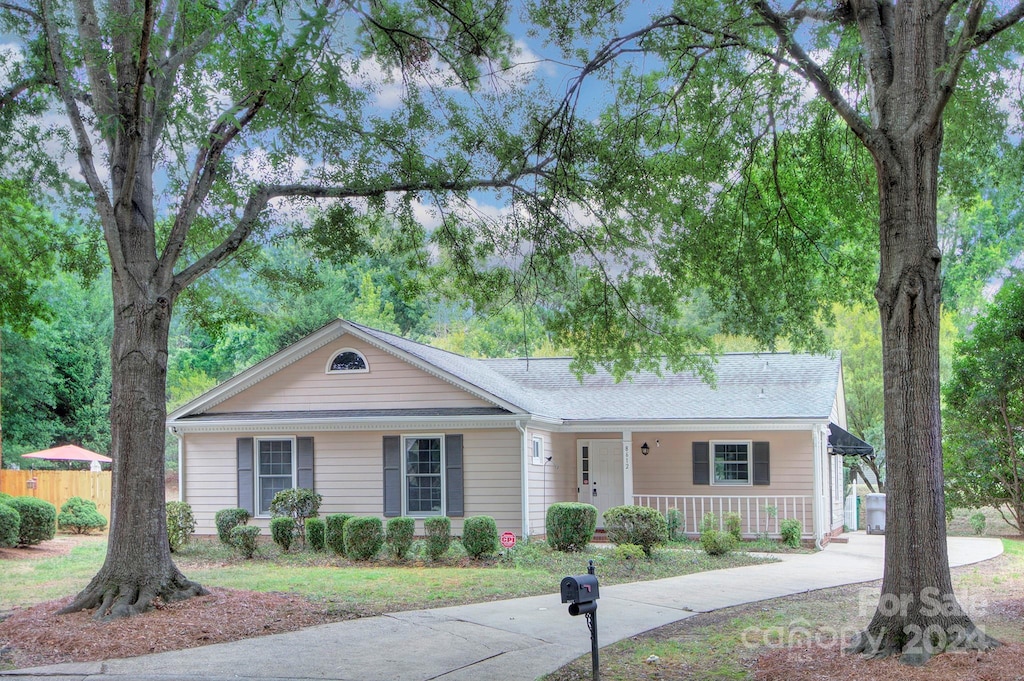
(918, 614)
(138, 567)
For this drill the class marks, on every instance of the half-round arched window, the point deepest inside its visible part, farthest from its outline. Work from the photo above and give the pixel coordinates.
(348, 360)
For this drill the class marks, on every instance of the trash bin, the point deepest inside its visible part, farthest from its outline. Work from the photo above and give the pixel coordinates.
(875, 512)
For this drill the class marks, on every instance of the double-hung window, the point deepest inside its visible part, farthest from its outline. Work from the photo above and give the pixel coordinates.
(424, 475)
(275, 470)
(731, 463)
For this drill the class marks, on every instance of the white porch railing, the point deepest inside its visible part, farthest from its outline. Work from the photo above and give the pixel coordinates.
(756, 513)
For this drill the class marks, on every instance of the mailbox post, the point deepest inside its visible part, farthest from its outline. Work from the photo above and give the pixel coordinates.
(581, 593)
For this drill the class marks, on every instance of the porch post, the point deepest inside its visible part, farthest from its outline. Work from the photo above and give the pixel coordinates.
(627, 467)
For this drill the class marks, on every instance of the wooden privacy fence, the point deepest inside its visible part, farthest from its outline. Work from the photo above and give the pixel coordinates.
(59, 486)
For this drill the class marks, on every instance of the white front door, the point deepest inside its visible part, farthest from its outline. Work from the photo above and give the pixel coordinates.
(600, 474)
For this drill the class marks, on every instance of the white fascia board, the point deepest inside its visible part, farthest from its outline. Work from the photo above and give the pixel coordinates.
(373, 423)
(672, 426)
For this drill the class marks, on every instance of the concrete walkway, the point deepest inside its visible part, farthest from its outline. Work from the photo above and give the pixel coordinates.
(507, 640)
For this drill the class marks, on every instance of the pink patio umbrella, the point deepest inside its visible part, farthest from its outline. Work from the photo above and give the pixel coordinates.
(68, 453)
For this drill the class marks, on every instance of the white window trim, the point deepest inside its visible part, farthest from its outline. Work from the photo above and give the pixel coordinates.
(405, 484)
(256, 467)
(538, 450)
(337, 352)
(750, 463)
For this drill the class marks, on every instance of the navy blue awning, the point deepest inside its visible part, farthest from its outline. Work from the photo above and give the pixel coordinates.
(845, 443)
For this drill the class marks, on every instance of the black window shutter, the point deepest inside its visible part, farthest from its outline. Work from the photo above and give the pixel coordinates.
(701, 467)
(305, 462)
(454, 504)
(246, 483)
(392, 476)
(762, 467)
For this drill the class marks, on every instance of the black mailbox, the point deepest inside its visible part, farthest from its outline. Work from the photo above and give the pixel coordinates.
(579, 589)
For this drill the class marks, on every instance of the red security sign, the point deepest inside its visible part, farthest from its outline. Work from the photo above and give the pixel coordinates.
(508, 539)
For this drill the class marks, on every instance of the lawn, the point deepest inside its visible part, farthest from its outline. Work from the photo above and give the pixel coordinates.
(734, 643)
(364, 588)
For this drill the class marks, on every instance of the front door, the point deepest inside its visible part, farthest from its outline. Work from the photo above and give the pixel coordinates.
(600, 474)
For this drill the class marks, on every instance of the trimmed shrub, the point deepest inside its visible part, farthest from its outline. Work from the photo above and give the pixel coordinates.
(297, 504)
(228, 519)
(733, 523)
(400, 532)
(438, 529)
(243, 539)
(180, 524)
(977, 522)
(629, 552)
(674, 520)
(716, 542)
(10, 526)
(80, 515)
(364, 536)
(4, 496)
(315, 530)
(38, 519)
(480, 536)
(570, 525)
(334, 533)
(790, 530)
(638, 525)
(708, 522)
(282, 531)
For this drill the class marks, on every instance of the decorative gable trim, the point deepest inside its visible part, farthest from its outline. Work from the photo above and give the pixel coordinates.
(310, 344)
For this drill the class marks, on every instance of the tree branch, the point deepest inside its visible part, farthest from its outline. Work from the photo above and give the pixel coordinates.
(999, 24)
(262, 195)
(176, 59)
(31, 14)
(815, 74)
(95, 58)
(85, 155)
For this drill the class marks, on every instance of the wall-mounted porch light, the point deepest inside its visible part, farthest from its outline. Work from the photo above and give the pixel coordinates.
(645, 449)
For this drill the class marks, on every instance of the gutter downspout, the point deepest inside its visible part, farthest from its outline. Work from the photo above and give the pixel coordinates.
(524, 484)
(181, 458)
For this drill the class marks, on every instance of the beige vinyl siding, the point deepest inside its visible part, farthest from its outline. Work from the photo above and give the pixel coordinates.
(545, 480)
(390, 383)
(668, 469)
(348, 472)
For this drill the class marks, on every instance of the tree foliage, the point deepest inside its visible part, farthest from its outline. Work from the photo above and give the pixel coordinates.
(984, 412)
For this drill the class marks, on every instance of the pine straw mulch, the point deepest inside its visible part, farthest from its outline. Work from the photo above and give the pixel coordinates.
(814, 663)
(37, 636)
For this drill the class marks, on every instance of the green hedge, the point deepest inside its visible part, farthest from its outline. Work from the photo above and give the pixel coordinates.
(80, 516)
(282, 531)
(399, 536)
(790, 529)
(228, 519)
(244, 539)
(480, 536)
(570, 525)
(640, 525)
(364, 536)
(181, 524)
(38, 519)
(334, 532)
(315, 533)
(439, 535)
(716, 542)
(10, 525)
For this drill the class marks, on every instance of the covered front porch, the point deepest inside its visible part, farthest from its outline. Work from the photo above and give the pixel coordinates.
(765, 473)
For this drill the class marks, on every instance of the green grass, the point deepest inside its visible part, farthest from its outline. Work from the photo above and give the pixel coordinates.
(364, 588)
(725, 644)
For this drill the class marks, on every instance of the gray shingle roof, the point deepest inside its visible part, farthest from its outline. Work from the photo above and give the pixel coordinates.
(748, 386)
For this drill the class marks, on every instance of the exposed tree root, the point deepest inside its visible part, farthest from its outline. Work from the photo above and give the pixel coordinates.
(916, 644)
(113, 598)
